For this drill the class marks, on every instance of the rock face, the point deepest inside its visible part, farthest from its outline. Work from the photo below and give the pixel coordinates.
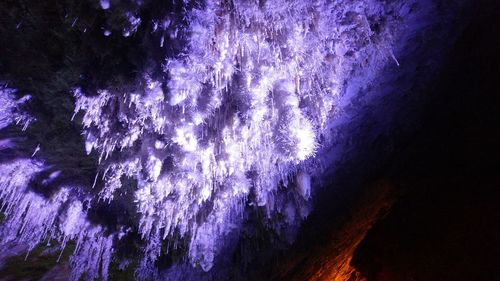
(443, 225)
(332, 259)
(195, 131)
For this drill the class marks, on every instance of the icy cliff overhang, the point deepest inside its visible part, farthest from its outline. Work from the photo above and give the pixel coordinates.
(242, 116)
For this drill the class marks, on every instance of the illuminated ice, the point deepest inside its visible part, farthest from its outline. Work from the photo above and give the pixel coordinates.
(236, 115)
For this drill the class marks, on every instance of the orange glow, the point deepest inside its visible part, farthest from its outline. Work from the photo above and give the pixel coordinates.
(333, 261)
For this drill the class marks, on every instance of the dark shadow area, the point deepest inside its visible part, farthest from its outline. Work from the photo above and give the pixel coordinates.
(447, 225)
(439, 162)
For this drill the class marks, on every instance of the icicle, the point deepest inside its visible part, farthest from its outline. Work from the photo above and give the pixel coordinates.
(394, 57)
(95, 180)
(36, 150)
(246, 102)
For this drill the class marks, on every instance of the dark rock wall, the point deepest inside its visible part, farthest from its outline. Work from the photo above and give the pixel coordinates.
(442, 170)
(446, 226)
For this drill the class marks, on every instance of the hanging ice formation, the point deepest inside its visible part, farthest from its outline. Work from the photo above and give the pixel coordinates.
(240, 111)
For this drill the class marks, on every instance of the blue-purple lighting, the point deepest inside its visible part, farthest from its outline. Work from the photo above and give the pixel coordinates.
(246, 107)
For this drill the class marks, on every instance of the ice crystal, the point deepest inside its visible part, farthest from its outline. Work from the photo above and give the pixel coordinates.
(235, 115)
(242, 106)
(10, 108)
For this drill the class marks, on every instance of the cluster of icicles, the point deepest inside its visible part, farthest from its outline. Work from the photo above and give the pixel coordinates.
(245, 106)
